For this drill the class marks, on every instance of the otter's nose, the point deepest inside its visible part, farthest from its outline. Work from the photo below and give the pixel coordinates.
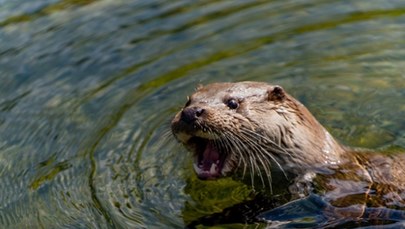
(190, 114)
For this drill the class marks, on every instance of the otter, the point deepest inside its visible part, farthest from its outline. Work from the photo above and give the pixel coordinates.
(259, 129)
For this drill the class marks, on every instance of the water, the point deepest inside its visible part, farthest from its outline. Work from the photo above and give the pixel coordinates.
(88, 89)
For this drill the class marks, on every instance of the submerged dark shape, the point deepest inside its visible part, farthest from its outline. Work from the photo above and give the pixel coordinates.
(258, 129)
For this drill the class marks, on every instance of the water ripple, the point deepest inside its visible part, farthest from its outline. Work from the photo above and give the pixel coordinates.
(88, 89)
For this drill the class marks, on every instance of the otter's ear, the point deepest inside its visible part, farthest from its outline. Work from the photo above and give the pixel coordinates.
(276, 93)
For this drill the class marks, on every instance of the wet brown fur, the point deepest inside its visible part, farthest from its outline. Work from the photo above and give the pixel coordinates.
(293, 141)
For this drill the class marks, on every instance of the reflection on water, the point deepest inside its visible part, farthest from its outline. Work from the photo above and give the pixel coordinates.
(88, 89)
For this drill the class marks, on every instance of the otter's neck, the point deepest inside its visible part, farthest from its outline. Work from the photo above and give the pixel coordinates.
(314, 147)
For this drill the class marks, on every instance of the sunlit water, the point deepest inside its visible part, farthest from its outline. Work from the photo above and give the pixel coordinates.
(88, 88)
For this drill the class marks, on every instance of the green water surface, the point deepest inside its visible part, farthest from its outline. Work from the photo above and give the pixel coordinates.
(88, 89)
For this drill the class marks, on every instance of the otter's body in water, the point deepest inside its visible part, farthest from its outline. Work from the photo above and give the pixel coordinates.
(258, 129)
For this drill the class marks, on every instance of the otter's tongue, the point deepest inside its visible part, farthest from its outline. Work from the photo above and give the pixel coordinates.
(208, 162)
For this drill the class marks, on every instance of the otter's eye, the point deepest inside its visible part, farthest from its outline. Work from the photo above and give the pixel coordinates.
(232, 103)
(188, 102)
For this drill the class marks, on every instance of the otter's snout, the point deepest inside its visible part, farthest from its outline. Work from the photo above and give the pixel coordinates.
(191, 114)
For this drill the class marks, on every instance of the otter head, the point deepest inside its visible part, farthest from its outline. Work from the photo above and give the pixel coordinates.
(247, 125)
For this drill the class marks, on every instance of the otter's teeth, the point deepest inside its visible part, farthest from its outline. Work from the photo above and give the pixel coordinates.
(197, 169)
(213, 168)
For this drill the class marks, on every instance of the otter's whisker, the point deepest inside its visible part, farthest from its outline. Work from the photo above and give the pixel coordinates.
(237, 146)
(269, 154)
(165, 139)
(260, 152)
(279, 148)
(254, 165)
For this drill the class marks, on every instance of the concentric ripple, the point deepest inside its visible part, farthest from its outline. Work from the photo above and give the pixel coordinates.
(88, 89)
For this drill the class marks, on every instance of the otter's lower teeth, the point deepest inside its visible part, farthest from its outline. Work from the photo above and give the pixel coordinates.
(213, 168)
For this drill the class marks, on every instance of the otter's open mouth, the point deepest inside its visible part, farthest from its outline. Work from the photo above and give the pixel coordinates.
(209, 160)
